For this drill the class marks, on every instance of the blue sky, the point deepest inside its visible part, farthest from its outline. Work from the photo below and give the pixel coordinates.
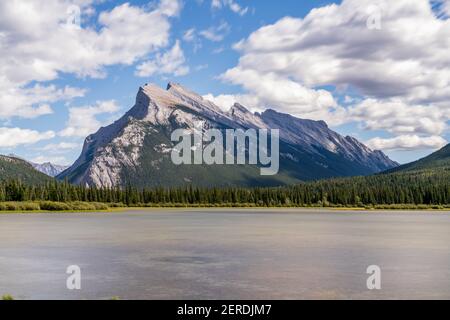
(346, 63)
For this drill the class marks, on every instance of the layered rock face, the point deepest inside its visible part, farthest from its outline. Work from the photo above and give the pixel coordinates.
(135, 150)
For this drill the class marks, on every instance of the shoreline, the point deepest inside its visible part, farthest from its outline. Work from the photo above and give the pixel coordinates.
(237, 208)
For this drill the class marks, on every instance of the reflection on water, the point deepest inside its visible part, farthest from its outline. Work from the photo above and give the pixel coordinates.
(226, 254)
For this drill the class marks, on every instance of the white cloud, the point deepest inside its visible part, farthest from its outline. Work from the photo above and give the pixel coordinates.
(397, 117)
(446, 7)
(231, 4)
(58, 160)
(189, 35)
(12, 137)
(401, 72)
(216, 34)
(37, 44)
(31, 102)
(170, 8)
(332, 46)
(55, 152)
(226, 101)
(169, 63)
(407, 142)
(269, 90)
(83, 120)
(60, 147)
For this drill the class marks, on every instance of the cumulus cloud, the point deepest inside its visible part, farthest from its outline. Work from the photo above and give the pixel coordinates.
(170, 63)
(400, 118)
(333, 46)
(12, 137)
(40, 44)
(83, 121)
(226, 101)
(407, 142)
(41, 39)
(401, 72)
(31, 102)
(272, 90)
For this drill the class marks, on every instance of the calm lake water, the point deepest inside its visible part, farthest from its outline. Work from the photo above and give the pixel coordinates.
(226, 254)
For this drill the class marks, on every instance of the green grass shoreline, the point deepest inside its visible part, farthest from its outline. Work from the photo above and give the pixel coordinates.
(79, 206)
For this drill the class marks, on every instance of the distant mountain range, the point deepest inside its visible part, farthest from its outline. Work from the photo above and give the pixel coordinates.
(16, 168)
(49, 168)
(135, 150)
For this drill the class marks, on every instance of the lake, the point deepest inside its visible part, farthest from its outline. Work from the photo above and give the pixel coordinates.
(226, 254)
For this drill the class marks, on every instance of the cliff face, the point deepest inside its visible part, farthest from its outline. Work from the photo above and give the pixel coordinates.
(135, 150)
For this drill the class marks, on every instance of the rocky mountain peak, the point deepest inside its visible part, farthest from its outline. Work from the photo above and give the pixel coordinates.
(49, 168)
(273, 114)
(136, 148)
(160, 96)
(245, 117)
(175, 87)
(239, 108)
(193, 99)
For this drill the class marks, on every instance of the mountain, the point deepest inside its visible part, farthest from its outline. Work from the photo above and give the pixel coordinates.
(135, 150)
(16, 168)
(437, 160)
(49, 169)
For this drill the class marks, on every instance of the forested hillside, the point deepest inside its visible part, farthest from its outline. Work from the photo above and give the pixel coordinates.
(437, 160)
(424, 182)
(424, 187)
(12, 168)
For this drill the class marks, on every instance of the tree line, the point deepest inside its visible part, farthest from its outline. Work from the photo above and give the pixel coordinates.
(424, 187)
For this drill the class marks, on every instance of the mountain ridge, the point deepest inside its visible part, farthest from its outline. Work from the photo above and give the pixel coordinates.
(14, 168)
(439, 159)
(48, 168)
(117, 154)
